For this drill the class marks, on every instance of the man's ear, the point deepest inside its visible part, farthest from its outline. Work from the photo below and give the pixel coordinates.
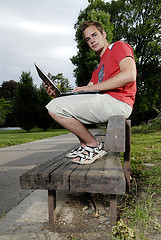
(104, 33)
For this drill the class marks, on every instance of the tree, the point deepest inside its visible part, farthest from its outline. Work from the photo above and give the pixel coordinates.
(7, 89)
(62, 83)
(86, 60)
(138, 23)
(44, 120)
(26, 102)
(5, 109)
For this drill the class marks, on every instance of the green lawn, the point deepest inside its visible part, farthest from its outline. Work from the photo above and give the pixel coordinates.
(146, 157)
(140, 209)
(14, 137)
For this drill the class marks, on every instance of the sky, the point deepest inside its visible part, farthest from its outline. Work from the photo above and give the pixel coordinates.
(39, 31)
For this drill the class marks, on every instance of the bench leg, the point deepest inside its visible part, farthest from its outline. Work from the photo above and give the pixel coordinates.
(113, 210)
(127, 155)
(52, 207)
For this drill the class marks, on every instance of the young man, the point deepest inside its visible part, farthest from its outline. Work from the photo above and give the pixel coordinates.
(114, 77)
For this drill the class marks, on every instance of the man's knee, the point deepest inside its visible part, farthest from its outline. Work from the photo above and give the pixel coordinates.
(52, 114)
(56, 117)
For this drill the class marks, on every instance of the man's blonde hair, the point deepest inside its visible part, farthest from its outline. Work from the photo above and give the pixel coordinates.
(87, 24)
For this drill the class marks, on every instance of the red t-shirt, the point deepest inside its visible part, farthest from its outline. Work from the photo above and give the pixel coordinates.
(109, 67)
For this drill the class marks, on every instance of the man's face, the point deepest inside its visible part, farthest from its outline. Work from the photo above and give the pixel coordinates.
(96, 40)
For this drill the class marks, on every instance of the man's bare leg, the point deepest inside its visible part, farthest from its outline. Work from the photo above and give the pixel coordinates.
(76, 127)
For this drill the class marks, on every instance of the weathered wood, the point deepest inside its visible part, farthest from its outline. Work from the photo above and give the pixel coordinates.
(115, 135)
(127, 154)
(33, 178)
(39, 175)
(103, 176)
(113, 209)
(61, 177)
(52, 207)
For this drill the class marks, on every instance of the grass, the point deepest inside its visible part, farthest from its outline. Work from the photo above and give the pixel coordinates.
(144, 210)
(140, 209)
(146, 159)
(15, 137)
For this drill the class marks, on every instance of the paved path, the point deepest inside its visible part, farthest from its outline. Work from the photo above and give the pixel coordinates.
(22, 212)
(18, 159)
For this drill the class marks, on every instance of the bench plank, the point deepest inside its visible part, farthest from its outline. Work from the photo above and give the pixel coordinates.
(60, 178)
(33, 178)
(77, 178)
(45, 176)
(103, 176)
(37, 177)
(115, 135)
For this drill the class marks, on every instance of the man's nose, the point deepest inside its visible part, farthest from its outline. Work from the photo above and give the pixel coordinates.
(92, 40)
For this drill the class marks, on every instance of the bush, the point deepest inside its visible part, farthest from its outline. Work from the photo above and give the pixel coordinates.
(153, 126)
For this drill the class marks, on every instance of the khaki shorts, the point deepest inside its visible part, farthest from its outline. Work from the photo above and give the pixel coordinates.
(89, 108)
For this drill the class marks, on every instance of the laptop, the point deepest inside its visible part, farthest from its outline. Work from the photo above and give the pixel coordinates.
(49, 82)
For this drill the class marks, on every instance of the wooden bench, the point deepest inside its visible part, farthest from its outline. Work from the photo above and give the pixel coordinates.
(106, 175)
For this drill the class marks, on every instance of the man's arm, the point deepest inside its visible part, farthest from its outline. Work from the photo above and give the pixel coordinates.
(126, 75)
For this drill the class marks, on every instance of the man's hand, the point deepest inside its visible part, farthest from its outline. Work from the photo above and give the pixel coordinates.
(50, 91)
(83, 88)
